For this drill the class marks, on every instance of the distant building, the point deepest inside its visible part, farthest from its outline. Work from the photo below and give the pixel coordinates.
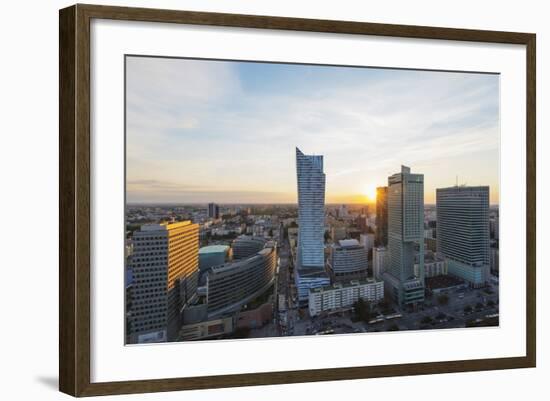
(232, 285)
(348, 261)
(367, 240)
(380, 260)
(213, 211)
(340, 295)
(343, 211)
(310, 258)
(382, 216)
(463, 232)
(165, 271)
(338, 232)
(246, 246)
(431, 244)
(405, 235)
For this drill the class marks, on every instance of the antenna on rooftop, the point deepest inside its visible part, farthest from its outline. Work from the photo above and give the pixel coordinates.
(456, 184)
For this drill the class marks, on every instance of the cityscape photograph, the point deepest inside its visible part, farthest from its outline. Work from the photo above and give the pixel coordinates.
(277, 199)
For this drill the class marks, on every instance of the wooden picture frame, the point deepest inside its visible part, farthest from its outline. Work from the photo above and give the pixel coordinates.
(74, 199)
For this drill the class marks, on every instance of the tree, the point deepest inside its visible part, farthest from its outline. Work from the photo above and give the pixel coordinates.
(393, 327)
(490, 303)
(426, 320)
(467, 309)
(479, 306)
(241, 332)
(440, 316)
(362, 310)
(443, 299)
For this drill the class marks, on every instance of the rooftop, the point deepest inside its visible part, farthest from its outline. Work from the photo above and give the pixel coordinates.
(213, 249)
(353, 283)
(346, 243)
(164, 226)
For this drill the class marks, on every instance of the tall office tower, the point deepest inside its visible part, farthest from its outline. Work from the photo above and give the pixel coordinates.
(382, 216)
(405, 236)
(310, 260)
(379, 262)
(165, 266)
(213, 211)
(463, 232)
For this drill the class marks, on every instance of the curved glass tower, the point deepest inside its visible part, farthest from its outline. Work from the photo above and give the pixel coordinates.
(311, 224)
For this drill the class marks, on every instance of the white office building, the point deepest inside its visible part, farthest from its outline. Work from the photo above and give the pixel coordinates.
(341, 296)
(463, 232)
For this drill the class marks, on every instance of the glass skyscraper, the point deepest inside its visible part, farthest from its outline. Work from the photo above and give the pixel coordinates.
(463, 231)
(405, 237)
(311, 224)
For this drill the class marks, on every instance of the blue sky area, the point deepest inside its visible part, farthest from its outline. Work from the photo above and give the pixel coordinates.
(225, 131)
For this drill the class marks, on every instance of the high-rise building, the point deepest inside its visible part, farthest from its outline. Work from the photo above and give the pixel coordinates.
(380, 258)
(405, 236)
(310, 258)
(165, 265)
(213, 211)
(463, 232)
(382, 216)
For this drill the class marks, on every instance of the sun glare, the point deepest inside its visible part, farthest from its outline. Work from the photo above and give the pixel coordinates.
(370, 193)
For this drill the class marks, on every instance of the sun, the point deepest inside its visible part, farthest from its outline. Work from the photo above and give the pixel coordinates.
(370, 192)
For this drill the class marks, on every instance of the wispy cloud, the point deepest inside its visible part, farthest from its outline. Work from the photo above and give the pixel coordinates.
(232, 126)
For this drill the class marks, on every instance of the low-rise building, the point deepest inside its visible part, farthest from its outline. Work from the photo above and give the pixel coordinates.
(233, 284)
(207, 329)
(340, 295)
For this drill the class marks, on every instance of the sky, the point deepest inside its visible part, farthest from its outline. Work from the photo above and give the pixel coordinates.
(225, 131)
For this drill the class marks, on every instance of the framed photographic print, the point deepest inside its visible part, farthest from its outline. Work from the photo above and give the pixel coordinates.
(250, 200)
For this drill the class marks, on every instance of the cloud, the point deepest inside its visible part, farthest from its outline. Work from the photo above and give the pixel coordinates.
(231, 127)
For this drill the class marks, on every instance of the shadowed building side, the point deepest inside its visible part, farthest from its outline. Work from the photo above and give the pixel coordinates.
(405, 235)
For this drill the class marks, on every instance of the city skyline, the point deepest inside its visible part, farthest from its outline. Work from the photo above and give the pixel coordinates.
(210, 131)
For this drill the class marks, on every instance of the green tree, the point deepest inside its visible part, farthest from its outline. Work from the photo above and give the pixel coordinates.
(362, 310)
(241, 332)
(443, 299)
(426, 320)
(393, 327)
